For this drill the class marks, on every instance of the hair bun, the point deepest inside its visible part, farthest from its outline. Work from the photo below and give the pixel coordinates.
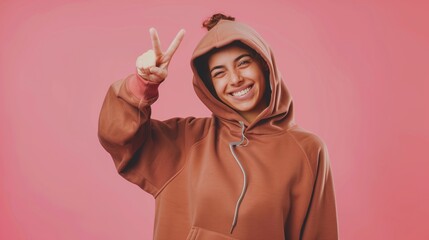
(209, 23)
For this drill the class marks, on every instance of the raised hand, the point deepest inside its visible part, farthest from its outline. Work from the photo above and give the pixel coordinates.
(153, 64)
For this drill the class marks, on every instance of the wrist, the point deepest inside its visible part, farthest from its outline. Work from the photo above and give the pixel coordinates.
(142, 88)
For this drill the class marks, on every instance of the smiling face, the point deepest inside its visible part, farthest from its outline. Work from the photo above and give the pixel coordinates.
(239, 81)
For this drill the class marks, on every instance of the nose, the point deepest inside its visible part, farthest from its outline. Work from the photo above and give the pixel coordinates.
(236, 78)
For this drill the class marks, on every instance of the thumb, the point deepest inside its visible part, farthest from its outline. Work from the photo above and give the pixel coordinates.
(160, 72)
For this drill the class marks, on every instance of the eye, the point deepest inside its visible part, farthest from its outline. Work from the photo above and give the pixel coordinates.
(217, 74)
(244, 62)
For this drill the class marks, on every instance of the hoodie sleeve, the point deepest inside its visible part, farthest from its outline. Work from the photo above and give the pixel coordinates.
(145, 151)
(321, 219)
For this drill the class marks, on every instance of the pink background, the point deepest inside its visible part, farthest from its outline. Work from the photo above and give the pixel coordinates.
(358, 72)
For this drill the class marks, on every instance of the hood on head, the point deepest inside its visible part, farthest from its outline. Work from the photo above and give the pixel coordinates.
(224, 33)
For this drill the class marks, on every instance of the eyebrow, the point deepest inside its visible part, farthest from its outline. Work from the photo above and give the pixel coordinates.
(235, 60)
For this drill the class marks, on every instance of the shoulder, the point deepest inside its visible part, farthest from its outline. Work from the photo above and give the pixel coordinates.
(306, 138)
(191, 122)
(192, 129)
(311, 145)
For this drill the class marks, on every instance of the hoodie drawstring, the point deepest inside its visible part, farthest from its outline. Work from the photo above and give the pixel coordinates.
(243, 191)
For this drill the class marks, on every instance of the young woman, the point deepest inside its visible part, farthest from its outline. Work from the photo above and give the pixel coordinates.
(248, 172)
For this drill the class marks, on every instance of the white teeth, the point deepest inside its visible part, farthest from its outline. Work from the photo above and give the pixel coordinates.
(241, 93)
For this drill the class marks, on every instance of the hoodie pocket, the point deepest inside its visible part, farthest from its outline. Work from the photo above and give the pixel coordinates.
(198, 233)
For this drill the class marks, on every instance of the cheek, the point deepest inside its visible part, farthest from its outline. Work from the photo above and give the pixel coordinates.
(219, 85)
(251, 73)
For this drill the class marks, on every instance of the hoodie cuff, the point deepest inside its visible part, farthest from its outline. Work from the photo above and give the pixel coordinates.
(141, 88)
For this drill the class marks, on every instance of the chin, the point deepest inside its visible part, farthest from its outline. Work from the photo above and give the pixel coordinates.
(244, 108)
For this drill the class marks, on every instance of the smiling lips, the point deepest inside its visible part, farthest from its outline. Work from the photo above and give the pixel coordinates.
(241, 92)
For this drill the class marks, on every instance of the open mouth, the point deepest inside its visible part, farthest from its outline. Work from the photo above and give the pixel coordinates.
(241, 92)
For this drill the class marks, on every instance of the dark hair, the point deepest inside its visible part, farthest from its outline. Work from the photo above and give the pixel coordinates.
(210, 22)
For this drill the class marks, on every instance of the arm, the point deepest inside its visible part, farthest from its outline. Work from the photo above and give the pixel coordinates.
(146, 152)
(321, 219)
(123, 128)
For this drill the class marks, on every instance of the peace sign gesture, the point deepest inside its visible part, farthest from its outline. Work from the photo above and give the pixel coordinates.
(153, 64)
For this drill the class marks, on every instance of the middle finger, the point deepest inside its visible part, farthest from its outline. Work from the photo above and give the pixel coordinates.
(175, 44)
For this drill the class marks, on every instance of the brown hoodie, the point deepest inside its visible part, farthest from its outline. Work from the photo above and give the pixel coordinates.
(223, 177)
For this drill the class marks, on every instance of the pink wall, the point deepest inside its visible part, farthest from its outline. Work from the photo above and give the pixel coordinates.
(358, 73)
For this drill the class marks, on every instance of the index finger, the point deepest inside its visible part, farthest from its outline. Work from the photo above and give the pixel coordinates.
(175, 44)
(156, 44)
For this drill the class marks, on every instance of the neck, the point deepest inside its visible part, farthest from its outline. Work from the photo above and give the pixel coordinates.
(250, 116)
